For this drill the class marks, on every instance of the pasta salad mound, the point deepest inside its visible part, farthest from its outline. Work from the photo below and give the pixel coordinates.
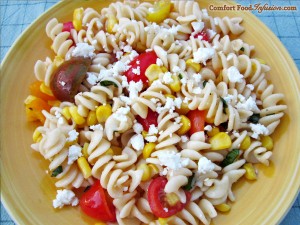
(152, 111)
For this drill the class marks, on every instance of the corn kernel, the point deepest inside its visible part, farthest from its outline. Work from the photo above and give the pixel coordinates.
(84, 167)
(172, 198)
(154, 169)
(164, 69)
(77, 18)
(213, 131)
(36, 136)
(184, 109)
(45, 89)
(103, 112)
(245, 143)
(223, 207)
(111, 22)
(92, 118)
(220, 141)
(186, 125)
(117, 150)
(261, 61)
(109, 152)
(219, 77)
(144, 134)
(170, 96)
(66, 113)
(267, 142)
(78, 119)
(84, 150)
(148, 149)
(146, 171)
(175, 85)
(163, 221)
(250, 171)
(195, 66)
(58, 60)
(152, 72)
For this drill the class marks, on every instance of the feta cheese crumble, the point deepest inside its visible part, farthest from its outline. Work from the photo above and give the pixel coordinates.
(172, 160)
(249, 105)
(234, 75)
(203, 54)
(74, 153)
(137, 142)
(73, 134)
(205, 165)
(83, 49)
(138, 128)
(65, 197)
(258, 129)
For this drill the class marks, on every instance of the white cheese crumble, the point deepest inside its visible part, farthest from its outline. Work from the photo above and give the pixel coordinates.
(152, 129)
(136, 70)
(74, 153)
(167, 78)
(159, 62)
(184, 138)
(249, 104)
(96, 127)
(134, 88)
(234, 75)
(85, 50)
(151, 138)
(73, 134)
(91, 78)
(121, 113)
(211, 33)
(205, 165)
(197, 27)
(250, 86)
(203, 54)
(137, 142)
(138, 128)
(208, 128)
(228, 98)
(65, 197)
(258, 129)
(172, 160)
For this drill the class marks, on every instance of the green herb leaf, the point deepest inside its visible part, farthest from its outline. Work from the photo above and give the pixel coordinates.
(190, 183)
(180, 76)
(242, 49)
(204, 83)
(107, 83)
(254, 118)
(230, 157)
(57, 171)
(225, 106)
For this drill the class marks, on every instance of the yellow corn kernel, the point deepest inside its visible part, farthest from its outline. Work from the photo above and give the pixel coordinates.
(117, 150)
(66, 113)
(55, 103)
(160, 11)
(223, 207)
(103, 112)
(146, 171)
(84, 167)
(144, 134)
(250, 171)
(213, 131)
(77, 18)
(110, 23)
(170, 96)
(109, 152)
(92, 118)
(175, 85)
(195, 66)
(148, 149)
(267, 142)
(261, 61)
(220, 141)
(172, 198)
(78, 119)
(186, 125)
(84, 150)
(36, 136)
(45, 89)
(152, 72)
(100, 223)
(184, 108)
(58, 60)
(154, 169)
(164, 69)
(219, 77)
(245, 143)
(163, 221)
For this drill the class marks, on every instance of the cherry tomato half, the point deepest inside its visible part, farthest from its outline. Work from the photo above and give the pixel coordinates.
(68, 26)
(197, 118)
(203, 34)
(96, 203)
(150, 119)
(140, 63)
(157, 199)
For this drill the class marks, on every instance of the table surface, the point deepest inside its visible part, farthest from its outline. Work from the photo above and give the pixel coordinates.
(17, 15)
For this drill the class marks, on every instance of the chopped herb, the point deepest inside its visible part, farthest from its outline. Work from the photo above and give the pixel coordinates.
(254, 118)
(57, 171)
(242, 49)
(87, 188)
(180, 76)
(230, 157)
(190, 183)
(107, 83)
(225, 106)
(204, 83)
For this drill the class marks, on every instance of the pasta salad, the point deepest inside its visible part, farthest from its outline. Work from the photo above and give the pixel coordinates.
(150, 112)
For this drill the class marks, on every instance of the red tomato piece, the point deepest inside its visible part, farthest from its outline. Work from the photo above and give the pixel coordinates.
(157, 199)
(203, 34)
(140, 63)
(68, 26)
(197, 118)
(150, 119)
(96, 203)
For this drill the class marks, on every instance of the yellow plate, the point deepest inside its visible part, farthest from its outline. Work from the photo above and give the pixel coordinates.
(27, 191)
